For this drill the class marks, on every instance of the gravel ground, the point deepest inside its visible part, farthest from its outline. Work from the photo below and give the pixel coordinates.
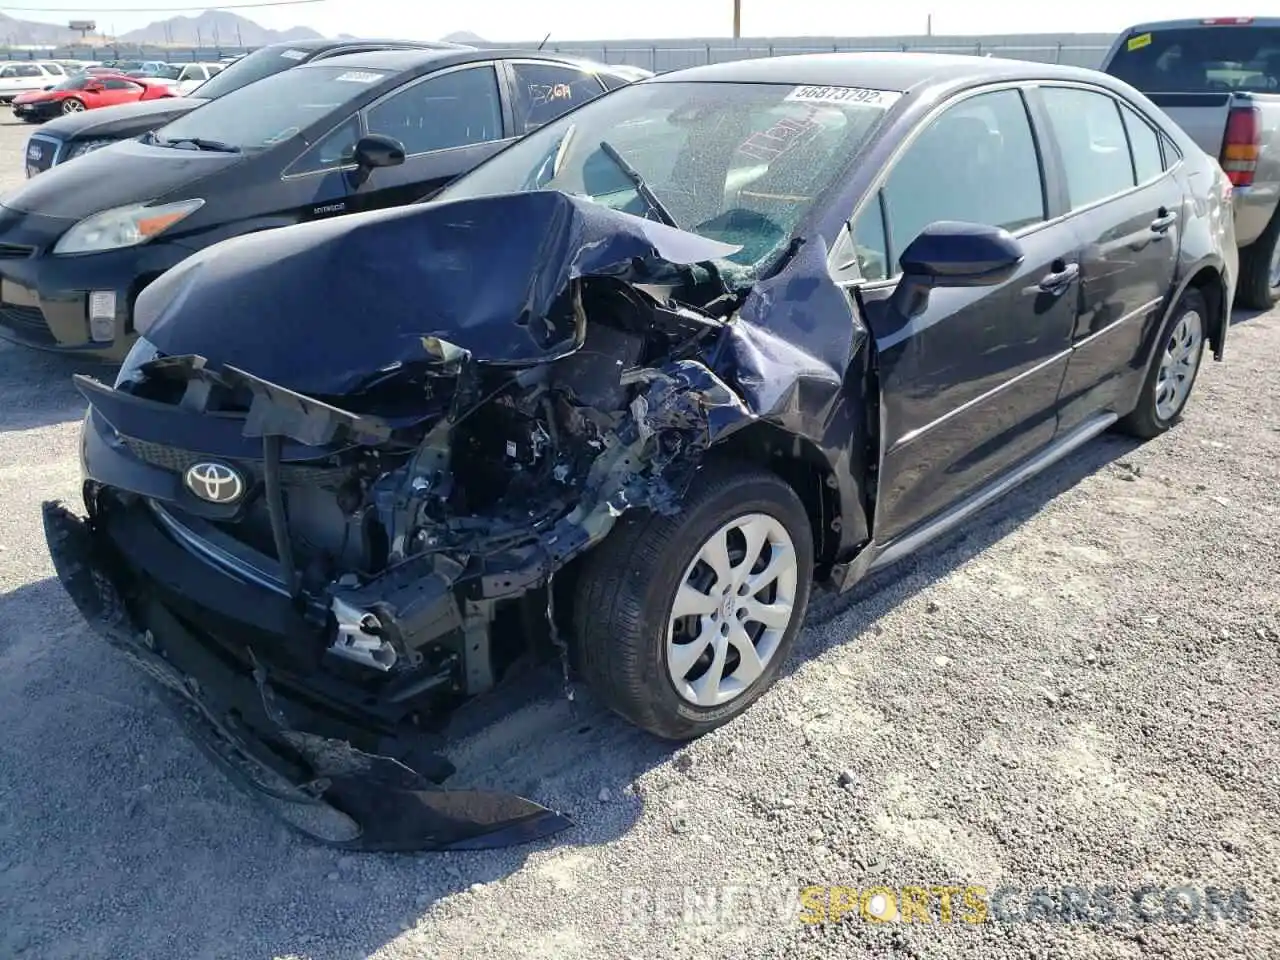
(1080, 690)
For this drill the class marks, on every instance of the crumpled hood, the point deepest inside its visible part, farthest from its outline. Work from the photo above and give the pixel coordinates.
(321, 307)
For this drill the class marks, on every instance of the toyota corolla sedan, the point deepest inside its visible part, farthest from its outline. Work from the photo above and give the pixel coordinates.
(339, 135)
(618, 398)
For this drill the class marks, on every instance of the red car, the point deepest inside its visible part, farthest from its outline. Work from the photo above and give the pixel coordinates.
(86, 92)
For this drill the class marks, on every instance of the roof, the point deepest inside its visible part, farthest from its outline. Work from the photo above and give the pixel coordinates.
(402, 60)
(880, 71)
(328, 43)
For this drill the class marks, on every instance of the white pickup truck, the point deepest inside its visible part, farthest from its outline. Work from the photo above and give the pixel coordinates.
(1219, 79)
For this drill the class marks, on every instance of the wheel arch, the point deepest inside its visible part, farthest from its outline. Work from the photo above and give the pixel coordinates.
(801, 464)
(1209, 279)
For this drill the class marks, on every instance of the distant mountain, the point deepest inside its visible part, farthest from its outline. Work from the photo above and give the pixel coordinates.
(214, 27)
(464, 36)
(15, 33)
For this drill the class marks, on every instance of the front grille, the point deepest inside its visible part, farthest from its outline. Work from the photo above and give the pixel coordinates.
(177, 460)
(27, 322)
(15, 251)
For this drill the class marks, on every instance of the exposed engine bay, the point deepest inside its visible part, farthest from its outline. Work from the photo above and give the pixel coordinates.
(508, 475)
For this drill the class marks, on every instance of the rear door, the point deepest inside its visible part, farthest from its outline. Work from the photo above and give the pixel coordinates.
(543, 90)
(1127, 211)
(970, 386)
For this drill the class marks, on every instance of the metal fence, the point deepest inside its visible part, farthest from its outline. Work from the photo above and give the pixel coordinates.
(1080, 49)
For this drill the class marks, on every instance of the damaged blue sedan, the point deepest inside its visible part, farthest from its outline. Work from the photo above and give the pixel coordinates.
(617, 399)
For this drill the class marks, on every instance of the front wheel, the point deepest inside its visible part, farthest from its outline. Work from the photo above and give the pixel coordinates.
(681, 623)
(72, 105)
(1173, 369)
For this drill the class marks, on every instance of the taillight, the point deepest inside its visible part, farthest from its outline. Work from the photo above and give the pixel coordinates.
(1227, 21)
(1242, 145)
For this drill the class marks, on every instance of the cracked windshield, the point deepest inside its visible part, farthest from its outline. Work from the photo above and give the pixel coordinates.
(740, 163)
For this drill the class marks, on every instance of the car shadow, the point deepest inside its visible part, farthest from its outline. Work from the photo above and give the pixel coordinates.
(38, 390)
(1239, 315)
(106, 793)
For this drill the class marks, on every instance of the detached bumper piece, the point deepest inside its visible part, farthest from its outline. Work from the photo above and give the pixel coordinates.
(322, 786)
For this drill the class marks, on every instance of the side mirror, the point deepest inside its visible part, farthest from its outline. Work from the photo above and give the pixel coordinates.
(952, 253)
(376, 150)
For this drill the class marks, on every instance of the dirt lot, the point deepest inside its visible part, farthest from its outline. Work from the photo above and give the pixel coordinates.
(1079, 691)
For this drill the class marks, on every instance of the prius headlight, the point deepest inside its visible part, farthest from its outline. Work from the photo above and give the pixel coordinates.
(123, 227)
(81, 147)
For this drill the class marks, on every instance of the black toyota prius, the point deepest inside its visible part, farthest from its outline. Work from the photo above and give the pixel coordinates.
(344, 134)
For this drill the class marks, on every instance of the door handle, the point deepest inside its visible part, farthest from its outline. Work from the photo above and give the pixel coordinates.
(1061, 278)
(1163, 221)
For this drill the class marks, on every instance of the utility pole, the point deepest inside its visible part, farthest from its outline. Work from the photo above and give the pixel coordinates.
(737, 19)
(928, 26)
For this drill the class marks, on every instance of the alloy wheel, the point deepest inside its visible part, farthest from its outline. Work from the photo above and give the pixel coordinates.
(72, 106)
(731, 610)
(1178, 365)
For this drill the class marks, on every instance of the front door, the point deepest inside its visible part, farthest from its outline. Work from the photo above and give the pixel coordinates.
(448, 122)
(970, 386)
(1128, 213)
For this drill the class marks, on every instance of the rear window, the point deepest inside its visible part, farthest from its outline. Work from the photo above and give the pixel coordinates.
(1200, 60)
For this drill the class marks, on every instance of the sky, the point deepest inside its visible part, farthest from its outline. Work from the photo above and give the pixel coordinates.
(508, 20)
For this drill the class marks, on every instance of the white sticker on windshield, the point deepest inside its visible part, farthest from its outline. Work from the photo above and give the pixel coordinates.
(872, 98)
(358, 76)
(294, 54)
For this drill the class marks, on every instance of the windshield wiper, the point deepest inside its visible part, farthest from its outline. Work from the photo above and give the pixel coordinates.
(199, 143)
(642, 188)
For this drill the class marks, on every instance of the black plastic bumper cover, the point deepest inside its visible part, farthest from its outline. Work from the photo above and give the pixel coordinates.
(353, 799)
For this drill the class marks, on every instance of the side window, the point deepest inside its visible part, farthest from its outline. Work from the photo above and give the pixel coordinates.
(544, 91)
(871, 246)
(332, 150)
(1144, 143)
(1095, 151)
(8, 72)
(55, 69)
(1171, 152)
(976, 162)
(451, 110)
(30, 70)
(190, 73)
(116, 84)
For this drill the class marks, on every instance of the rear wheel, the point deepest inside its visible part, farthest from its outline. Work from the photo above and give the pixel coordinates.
(680, 623)
(1260, 269)
(1173, 369)
(72, 105)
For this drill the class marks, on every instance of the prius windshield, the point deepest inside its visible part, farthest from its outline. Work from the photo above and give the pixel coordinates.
(271, 111)
(743, 163)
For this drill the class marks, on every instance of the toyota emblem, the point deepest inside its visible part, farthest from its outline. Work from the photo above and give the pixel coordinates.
(214, 482)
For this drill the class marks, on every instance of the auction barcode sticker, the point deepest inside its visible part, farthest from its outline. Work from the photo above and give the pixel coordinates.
(358, 76)
(865, 95)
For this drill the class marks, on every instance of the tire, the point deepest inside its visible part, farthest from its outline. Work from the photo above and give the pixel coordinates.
(1260, 269)
(1182, 336)
(72, 105)
(623, 605)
